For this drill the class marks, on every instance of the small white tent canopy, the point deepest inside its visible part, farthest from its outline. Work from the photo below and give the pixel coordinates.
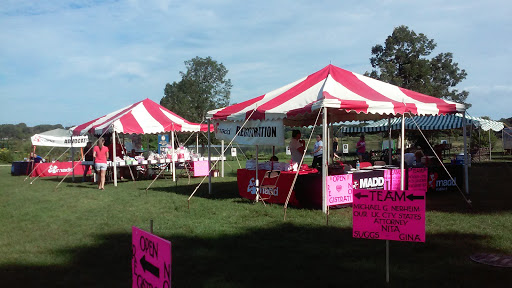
(59, 138)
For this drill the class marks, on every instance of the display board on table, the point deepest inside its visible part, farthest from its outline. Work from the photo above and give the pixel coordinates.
(269, 133)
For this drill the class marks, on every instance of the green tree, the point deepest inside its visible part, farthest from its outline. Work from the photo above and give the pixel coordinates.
(507, 121)
(203, 87)
(403, 61)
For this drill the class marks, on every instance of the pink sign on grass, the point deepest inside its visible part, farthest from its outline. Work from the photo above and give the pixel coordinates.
(389, 215)
(339, 188)
(151, 260)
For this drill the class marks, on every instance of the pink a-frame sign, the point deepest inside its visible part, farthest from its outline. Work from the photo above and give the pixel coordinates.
(151, 260)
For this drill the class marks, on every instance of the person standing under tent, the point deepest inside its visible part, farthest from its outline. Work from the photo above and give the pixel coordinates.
(297, 147)
(100, 155)
(88, 156)
(317, 152)
(361, 148)
(334, 145)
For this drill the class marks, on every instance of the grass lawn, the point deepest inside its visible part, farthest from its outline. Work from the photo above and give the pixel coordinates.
(78, 236)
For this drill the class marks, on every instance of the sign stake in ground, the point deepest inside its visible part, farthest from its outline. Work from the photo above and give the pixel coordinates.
(151, 260)
(397, 215)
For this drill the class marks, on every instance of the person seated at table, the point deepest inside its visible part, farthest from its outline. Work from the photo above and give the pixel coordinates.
(409, 157)
(418, 156)
(297, 147)
(119, 150)
(274, 158)
(38, 159)
(119, 154)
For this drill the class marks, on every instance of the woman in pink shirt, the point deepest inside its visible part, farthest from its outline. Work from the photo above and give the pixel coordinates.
(100, 155)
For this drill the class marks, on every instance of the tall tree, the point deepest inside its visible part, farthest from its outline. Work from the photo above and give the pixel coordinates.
(403, 61)
(203, 87)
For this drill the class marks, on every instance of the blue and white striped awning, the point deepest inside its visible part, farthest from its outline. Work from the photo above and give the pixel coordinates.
(442, 122)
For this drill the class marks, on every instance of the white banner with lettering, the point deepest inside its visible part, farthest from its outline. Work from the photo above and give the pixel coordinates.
(253, 133)
(46, 140)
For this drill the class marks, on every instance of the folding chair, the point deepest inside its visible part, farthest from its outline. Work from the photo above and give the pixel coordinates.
(269, 184)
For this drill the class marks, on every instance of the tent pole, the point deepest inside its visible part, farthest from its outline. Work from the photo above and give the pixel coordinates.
(325, 156)
(330, 144)
(390, 150)
(466, 180)
(402, 152)
(173, 168)
(209, 160)
(490, 148)
(113, 141)
(256, 180)
(73, 159)
(197, 143)
(222, 157)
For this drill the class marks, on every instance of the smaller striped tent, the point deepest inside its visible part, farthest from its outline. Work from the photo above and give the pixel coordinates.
(441, 122)
(143, 117)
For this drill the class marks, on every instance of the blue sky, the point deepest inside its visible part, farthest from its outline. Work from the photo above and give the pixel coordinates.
(67, 62)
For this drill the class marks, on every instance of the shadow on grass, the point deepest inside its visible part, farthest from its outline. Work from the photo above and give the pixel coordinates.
(222, 190)
(283, 256)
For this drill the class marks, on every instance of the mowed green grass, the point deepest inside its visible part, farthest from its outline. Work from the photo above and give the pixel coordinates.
(78, 236)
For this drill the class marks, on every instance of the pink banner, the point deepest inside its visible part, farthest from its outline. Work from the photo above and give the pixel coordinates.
(339, 188)
(151, 260)
(418, 178)
(389, 215)
(392, 179)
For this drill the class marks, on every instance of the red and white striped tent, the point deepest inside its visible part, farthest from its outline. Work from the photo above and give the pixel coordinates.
(347, 95)
(143, 117)
(340, 95)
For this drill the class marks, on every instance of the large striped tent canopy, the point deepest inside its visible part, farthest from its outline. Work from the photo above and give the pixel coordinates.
(350, 95)
(143, 117)
(441, 122)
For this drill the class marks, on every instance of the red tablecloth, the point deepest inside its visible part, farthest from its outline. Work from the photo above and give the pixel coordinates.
(57, 169)
(247, 188)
